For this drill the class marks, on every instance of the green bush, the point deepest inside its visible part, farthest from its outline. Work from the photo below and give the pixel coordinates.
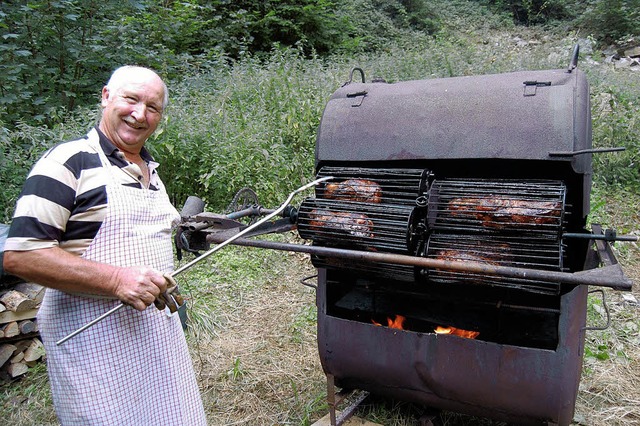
(23, 144)
(611, 20)
(251, 124)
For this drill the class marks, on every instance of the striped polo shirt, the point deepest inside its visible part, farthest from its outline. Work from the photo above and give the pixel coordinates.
(64, 199)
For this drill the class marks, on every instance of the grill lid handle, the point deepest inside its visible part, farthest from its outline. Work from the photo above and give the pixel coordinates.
(585, 151)
(573, 63)
(360, 70)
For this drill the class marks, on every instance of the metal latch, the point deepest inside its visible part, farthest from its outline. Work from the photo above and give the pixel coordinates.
(530, 87)
(361, 95)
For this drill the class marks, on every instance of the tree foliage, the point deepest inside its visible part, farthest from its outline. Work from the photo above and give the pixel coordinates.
(55, 53)
(531, 12)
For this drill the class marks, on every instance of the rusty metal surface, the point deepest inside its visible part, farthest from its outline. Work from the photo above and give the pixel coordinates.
(510, 383)
(486, 116)
(618, 282)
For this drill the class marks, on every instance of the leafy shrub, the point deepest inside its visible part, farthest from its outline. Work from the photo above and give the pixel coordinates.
(612, 20)
(22, 145)
(251, 124)
(531, 12)
(615, 124)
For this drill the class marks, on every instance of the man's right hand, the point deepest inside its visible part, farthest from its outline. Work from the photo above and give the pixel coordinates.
(138, 286)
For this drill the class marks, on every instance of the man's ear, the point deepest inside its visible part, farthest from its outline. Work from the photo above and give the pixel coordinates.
(105, 96)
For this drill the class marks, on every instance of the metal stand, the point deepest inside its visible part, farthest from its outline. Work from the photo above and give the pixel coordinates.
(336, 398)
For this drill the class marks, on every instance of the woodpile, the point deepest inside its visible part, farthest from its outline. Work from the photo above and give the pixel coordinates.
(20, 346)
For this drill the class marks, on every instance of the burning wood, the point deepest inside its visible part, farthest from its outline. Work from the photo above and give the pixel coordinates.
(397, 322)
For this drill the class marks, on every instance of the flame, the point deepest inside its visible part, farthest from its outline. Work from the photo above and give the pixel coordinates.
(397, 322)
(457, 332)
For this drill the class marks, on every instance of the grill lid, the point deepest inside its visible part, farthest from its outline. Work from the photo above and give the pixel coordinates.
(521, 115)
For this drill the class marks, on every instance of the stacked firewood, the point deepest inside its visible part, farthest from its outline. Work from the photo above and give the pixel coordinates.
(20, 346)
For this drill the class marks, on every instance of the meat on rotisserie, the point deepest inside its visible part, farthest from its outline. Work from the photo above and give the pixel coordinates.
(360, 190)
(466, 256)
(353, 224)
(494, 211)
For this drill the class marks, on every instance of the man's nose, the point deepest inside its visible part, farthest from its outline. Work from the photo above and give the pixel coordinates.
(139, 112)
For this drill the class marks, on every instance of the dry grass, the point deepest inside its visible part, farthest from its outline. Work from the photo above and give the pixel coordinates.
(262, 367)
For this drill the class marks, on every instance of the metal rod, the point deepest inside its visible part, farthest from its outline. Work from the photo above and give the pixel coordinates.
(205, 255)
(585, 151)
(602, 237)
(551, 277)
(91, 323)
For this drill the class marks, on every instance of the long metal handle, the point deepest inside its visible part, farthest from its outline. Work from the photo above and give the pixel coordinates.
(204, 255)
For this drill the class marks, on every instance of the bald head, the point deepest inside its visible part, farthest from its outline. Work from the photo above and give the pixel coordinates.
(134, 74)
(133, 102)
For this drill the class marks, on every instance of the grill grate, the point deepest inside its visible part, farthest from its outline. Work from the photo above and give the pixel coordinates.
(396, 186)
(498, 207)
(533, 253)
(349, 224)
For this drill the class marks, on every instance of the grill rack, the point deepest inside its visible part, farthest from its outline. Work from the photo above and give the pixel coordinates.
(534, 207)
(511, 251)
(398, 186)
(380, 227)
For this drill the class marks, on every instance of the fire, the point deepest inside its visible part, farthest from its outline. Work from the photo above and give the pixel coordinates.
(397, 322)
(457, 332)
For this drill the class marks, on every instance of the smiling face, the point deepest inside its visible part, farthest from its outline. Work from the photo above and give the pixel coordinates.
(132, 108)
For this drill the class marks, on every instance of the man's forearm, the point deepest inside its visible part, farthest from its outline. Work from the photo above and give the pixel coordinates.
(55, 268)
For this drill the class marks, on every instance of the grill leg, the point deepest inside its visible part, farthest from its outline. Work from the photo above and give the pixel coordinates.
(335, 398)
(331, 398)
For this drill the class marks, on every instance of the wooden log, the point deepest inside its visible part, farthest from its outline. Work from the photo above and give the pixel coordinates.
(33, 291)
(2, 308)
(27, 326)
(10, 329)
(17, 369)
(17, 358)
(35, 351)
(8, 316)
(16, 301)
(6, 352)
(21, 345)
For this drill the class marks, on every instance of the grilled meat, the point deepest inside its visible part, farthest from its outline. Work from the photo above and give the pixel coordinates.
(494, 211)
(454, 255)
(360, 190)
(352, 224)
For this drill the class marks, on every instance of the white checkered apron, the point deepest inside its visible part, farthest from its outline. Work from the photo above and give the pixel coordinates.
(132, 368)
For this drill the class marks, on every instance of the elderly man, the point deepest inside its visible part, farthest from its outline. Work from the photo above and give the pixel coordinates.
(93, 224)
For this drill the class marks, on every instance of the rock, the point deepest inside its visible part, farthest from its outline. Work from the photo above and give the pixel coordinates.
(634, 52)
(586, 46)
(623, 63)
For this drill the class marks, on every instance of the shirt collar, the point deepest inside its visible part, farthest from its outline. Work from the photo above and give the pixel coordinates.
(112, 151)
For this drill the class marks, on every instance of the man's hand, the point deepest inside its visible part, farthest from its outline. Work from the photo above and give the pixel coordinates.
(138, 286)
